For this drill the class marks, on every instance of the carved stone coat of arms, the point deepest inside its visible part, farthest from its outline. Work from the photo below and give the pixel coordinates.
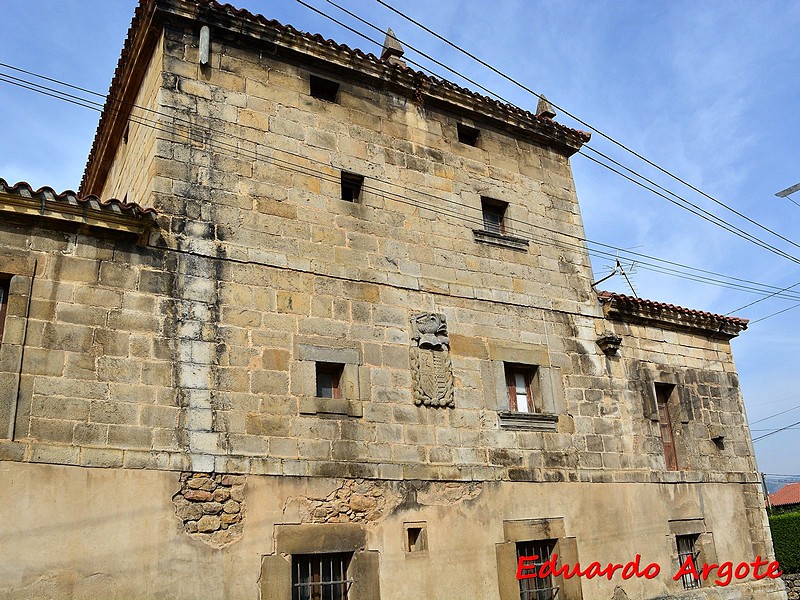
(430, 361)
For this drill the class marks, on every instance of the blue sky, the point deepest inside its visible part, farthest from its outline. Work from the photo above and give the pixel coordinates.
(707, 90)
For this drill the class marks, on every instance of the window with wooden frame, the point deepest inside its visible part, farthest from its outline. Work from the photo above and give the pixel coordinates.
(522, 382)
(329, 376)
(321, 576)
(663, 393)
(494, 214)
(687, 549)
(415, 538)
(5, 286)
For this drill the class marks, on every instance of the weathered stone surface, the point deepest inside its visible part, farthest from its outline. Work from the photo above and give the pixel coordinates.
(362, 503)
(208, 524)
(212, 508)
(198, 495)
(221, 494)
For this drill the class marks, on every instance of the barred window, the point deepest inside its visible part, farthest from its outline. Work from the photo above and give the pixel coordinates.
(686, 548)
(537, 588)
(321, 576)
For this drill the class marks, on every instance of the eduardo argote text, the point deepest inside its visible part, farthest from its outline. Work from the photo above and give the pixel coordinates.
(722, 573)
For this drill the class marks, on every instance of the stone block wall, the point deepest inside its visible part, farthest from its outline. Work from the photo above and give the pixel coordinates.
(792, 586)
(188, 362)
(184, 354)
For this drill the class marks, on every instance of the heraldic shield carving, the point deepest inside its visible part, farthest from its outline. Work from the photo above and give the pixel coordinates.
(430, 361)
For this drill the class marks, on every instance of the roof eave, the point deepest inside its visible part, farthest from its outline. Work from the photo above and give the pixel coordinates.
(146, 29)
(673, 318)
(136, 53)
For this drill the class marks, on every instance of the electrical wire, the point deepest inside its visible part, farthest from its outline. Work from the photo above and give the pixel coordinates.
(656, 268)
(786, 289)
(783, 412)
(766, 435)
(697, 210)
(775, 314)
(582, 122)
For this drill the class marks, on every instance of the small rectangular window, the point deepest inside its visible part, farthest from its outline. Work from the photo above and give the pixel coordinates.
(468, 135)
(329, 377)
(663, 393)
(324, 89)
(416, 537)
(536, 553)
(494, 213)
(523, 384)
(5, 286)
(321, 576)
(351, 186)
(687, 549)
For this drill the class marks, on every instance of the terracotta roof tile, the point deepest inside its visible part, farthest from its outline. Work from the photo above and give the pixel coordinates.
(664, 305)
(68, 197)
(640, 309)
(788, 494)
(583, 136)
(576, 137)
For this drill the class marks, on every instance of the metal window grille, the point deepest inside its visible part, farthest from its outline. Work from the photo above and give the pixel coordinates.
(686, 548)
(537, 588)
(320, 577)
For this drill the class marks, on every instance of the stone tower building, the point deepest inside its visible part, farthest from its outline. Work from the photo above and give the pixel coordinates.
(321, 326)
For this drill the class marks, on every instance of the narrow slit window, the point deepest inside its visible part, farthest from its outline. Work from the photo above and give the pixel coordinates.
(324, 89)
(494, 215)
(5, 286)
(329, 376)
(468, 135)
(687, 548)
(351, 186)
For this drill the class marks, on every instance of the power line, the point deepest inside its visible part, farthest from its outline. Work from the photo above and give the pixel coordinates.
(791, 428)
(775, 314)
(786, 289)
(582, 122)
(159, 126)
(697, 209)
(776, 414)
(766, 435)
